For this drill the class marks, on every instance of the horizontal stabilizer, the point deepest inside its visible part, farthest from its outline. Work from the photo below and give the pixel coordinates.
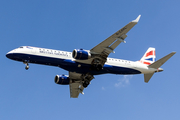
(156, 65)
(147, 77)
(161, 61)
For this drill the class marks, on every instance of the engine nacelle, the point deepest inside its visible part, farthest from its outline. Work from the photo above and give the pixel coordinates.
(81, 54)
(62, 79)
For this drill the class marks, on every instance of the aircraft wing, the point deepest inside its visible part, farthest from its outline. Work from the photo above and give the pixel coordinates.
(101, 51)
(75, 89)
(108, 45)
(75, 86)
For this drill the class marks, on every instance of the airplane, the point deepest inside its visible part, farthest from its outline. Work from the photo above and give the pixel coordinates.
(83, 64)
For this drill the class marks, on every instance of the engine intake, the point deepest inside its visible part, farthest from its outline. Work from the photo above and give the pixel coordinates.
(62, 79)
(81, 54)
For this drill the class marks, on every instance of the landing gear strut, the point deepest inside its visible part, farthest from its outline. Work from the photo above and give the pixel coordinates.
(27, 65)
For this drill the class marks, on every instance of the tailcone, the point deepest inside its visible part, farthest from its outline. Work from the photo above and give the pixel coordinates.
(159, 70)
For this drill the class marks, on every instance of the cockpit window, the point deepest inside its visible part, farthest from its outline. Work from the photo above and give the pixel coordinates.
(21, 47)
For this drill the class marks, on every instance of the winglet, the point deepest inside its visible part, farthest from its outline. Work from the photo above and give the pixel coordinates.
(137, 19)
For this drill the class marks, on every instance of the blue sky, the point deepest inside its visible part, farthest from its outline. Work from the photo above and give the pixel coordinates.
(67, 25)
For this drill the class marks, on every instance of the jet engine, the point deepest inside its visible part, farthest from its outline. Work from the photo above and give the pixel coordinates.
(62, 79)
(81, 54)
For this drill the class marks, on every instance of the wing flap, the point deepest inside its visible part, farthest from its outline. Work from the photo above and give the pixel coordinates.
(117, 42)
(75, 89)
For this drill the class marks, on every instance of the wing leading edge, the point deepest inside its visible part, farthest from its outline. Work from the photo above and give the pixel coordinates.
(114, 40)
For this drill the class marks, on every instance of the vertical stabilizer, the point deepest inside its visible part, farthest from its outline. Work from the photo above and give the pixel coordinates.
(149, 56)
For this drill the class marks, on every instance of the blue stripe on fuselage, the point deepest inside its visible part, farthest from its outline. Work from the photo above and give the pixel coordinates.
(70, 65)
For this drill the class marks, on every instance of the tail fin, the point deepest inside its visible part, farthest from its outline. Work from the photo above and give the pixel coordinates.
(149, 56)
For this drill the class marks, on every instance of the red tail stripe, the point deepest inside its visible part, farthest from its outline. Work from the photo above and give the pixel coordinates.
(150, 53)
(146, 63)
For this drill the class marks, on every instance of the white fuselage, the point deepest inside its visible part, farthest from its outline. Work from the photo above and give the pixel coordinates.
(64, 59)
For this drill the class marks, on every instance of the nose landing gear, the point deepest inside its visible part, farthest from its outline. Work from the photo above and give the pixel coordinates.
(27, 65)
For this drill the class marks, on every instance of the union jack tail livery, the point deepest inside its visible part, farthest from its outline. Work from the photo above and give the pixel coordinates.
(149, 57)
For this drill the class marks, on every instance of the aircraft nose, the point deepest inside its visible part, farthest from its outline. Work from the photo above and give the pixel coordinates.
(9, 54)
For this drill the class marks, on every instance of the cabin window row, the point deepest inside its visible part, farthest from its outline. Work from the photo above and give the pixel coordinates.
(54, 51)
(120, 60)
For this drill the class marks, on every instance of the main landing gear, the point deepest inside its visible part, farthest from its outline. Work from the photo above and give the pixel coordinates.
(27, 65)
(86, 83)
(96, 64)
(86, 79)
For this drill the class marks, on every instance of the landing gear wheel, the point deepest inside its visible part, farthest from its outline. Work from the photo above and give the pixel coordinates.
(85, 84)
(26, 63)
(27, 67)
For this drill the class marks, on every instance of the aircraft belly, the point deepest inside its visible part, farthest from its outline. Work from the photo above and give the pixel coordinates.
(44, 60)
(85, 68)
(71, 65)
(124, 70)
